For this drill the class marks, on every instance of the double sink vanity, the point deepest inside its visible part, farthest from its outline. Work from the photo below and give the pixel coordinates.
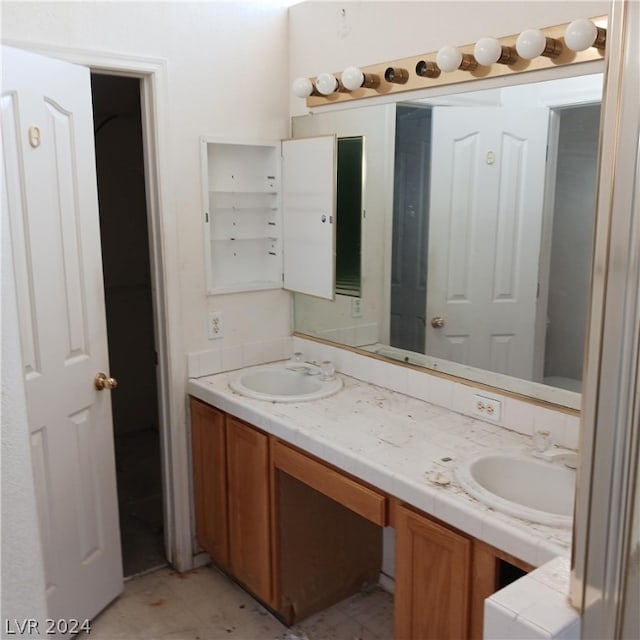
(300, 478)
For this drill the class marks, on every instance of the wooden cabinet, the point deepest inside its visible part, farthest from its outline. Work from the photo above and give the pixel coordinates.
(210, 480)
(232, 496)
(491, 570)
(301, 535)
(329, 533)
(432, 579)
(365, 501)
(443, 578)
(249, 507)
(297, 533)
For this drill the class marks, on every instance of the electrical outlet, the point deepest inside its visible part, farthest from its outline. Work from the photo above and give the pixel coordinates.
(487, 408)
(356, 307)
(214, 326)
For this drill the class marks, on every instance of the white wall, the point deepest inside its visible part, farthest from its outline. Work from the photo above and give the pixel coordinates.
(329, 36)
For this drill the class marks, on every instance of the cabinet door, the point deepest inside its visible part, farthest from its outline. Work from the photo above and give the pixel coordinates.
(209, 475)
(491, 570)
(308, 215)
(249, 507)
(432, 579)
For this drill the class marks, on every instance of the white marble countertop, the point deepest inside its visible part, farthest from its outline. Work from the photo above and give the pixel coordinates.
(396, 442)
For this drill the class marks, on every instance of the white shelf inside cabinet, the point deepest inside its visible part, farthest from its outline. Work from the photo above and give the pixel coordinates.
(241, 189)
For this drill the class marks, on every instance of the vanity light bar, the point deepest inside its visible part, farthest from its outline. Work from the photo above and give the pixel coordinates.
(534, 49)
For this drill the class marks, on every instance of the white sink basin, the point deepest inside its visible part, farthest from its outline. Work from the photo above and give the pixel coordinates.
(521, 486)
(285, 383)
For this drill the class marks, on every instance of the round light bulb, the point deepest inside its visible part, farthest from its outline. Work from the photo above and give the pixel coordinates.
(326, 83)
(487, 51)
(531, 43)
(352, 78)
(580, 34)
(302, 87)
(449, 58)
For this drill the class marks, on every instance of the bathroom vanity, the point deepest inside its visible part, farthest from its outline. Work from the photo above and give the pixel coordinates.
(292, 498)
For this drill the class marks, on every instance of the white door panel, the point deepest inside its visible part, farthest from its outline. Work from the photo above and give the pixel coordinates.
(487, 185)
(51, 196)
(308, 212)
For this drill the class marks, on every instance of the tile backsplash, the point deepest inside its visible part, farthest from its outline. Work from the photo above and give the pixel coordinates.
(211, 361)
(516, 415)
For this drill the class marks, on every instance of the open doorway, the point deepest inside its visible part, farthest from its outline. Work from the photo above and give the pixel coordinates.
(410, 238)
(573, 211)
(129, 305)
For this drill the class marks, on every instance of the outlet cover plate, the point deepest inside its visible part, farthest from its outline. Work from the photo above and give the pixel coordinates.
(487, 408)
(214, 325)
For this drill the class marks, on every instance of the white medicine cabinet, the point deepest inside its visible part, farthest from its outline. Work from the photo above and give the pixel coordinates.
(269, 215)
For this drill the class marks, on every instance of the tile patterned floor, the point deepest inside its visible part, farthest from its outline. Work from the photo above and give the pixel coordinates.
(205, 605)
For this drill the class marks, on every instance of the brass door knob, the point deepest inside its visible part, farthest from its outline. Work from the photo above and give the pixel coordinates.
(437, 322)
(103, 381)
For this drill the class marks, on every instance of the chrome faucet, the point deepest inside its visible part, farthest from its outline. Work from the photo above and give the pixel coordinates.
(326, 369)
(298, 364)
(544, 449)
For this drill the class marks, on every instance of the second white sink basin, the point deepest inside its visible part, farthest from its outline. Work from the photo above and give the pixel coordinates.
(283, 383)
(521, 486)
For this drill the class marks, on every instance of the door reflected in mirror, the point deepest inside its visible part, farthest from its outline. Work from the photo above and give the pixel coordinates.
(485, 203)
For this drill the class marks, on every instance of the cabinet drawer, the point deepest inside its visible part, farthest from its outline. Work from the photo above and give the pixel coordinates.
(355, 496)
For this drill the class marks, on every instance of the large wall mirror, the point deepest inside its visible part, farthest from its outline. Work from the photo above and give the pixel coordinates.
(477, 221)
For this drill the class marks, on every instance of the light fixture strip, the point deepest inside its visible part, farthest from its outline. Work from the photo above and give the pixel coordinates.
(508, 55)
(601, 36)
(415, 81)
(553, 48)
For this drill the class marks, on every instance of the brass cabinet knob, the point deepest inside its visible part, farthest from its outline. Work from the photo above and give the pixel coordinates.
(437, 322)
(103, 381)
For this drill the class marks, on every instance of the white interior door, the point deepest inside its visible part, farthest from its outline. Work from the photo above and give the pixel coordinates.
(487, 190)
(50, 188)
(308, 215)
